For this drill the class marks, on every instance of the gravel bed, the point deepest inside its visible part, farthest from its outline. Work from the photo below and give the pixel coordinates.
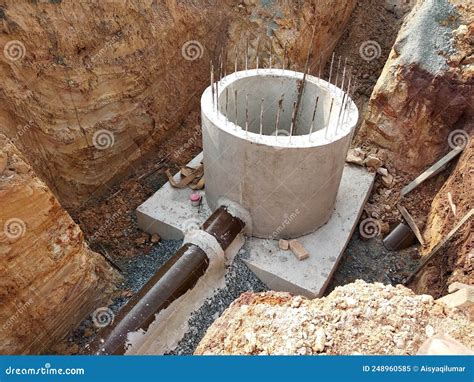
(238, 279)
(136, 271)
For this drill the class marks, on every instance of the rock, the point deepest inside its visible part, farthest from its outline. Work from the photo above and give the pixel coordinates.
(142, 239)
(356, 156)
(155, 238)
(382, 171)
(387, 180)
(412, 128)
(283, 244)
(458, 286)
(443, 344)
(373, 162)
(462, 299)
(298, 250)
(430, 331)
(3, 162)
(50, 256)
(381, 320)
(319, 340)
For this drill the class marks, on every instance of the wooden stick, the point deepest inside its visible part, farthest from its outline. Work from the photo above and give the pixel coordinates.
(431, 171)
(440, 245)
(411, 222)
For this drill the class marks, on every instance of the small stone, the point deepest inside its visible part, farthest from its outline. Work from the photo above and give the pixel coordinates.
(296, 302)
(351, 302)
(429, 330)
(3, 162)
(298, 250)
(382, 171)
(373, 162)
(356, 156)
(427, 299)
(22, 168)
(319, 340)
(283, 244)
(155, 238)
(142, 239)
(387, 180)
(301, 351)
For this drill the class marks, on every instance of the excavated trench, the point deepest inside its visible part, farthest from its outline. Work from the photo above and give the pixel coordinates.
(105, 149)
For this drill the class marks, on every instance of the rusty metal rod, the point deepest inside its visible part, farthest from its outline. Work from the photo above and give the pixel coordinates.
(178, 275)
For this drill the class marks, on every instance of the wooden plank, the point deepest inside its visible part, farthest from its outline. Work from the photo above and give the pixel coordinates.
(440, 245)
(431, 171)
(411, 222)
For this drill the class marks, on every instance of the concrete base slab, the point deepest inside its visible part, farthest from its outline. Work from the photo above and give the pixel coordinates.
(280, 270)
(170, 214)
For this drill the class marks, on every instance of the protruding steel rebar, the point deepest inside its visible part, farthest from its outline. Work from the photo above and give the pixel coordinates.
(343, 76)
(284, 60)
(257, 54)
(329, 119)
(261, 117)
(221, 71)
(314, 115)
(235, 108)
(247, 54)
(226, 105)
(271, 52)
(217, 97)
(320, 65)
(246, 114)
(337, 70)
(330, 69)
(236, 57)
(293, 117)
(212, 84)
(280, 107)
(347, 99)
(340, 112)
(225, 61)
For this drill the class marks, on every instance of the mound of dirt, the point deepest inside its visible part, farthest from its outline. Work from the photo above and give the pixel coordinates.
(358, 318)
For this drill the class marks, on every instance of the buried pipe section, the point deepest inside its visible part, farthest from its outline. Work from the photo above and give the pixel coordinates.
(177, 276)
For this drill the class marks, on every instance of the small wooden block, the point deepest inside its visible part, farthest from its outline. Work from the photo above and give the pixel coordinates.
(283, 244)
(298, 250)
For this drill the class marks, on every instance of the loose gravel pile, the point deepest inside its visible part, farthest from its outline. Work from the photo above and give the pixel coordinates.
(358, 318)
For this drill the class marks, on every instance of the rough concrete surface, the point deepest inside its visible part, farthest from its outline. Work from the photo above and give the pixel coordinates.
(281, 271)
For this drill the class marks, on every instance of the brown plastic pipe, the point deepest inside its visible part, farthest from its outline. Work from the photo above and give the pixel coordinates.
(178, 275)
